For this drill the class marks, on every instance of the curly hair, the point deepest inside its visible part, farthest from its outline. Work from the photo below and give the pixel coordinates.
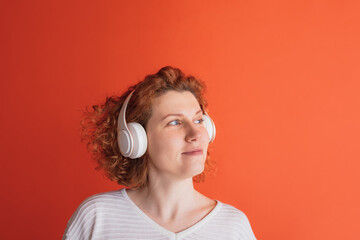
(99, 125)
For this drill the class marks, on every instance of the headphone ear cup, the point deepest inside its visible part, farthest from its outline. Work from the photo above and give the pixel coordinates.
(139, 137)
(210, 127)
(124, 142)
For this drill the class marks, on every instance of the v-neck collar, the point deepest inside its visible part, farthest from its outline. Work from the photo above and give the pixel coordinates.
(166, 232)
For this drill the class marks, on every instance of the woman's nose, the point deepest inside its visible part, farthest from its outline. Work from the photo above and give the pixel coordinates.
(193, 133)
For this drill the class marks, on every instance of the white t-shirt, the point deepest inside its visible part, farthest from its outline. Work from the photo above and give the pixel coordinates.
(113, 215)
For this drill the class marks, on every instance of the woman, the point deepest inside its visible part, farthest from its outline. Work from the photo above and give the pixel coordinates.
(154, 140)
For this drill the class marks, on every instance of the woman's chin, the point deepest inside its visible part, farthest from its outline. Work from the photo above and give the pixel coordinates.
(194, 170)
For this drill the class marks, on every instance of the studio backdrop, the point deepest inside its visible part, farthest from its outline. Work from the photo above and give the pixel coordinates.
(282, 86)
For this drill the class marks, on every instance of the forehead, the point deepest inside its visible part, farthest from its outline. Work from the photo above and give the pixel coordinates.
(175, 102)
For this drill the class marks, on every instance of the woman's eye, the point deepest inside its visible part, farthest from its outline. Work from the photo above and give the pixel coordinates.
(200, 121)
(178, 122)
(175, 122)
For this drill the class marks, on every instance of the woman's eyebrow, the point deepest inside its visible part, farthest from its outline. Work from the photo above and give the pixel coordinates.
(178, 114)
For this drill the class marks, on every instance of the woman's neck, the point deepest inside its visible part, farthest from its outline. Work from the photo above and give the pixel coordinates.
(166, 200)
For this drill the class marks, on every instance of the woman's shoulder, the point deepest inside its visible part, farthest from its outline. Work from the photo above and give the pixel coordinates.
(95, 208)
(103, 196)
(232, 214)
(225, 210)
(233, 221)
(230, 210)
(100, 202)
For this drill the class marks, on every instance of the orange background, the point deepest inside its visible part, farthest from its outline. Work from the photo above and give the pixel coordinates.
(283, 90)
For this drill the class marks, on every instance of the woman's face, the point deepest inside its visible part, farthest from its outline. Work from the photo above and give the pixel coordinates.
(177, 138)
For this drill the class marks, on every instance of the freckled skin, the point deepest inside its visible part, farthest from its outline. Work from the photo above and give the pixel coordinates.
(170, 138)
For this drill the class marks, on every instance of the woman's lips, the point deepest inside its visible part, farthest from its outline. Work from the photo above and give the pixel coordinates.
(194, 152)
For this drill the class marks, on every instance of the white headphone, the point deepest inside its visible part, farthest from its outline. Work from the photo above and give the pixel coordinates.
(131, 137)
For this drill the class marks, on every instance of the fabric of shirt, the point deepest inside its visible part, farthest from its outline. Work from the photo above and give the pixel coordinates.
(113, 215)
